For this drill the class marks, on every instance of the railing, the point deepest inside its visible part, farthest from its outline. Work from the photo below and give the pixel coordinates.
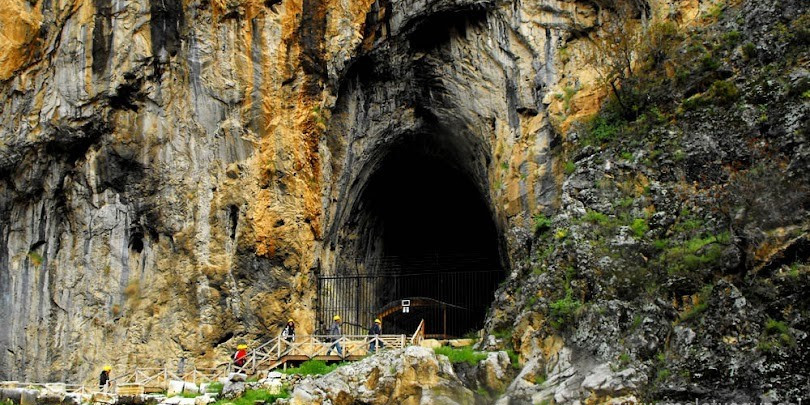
(271, 354)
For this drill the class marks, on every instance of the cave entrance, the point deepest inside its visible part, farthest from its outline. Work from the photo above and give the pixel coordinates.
(421, 230)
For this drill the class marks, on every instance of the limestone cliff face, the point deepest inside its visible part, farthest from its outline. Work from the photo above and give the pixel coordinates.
(175, 172)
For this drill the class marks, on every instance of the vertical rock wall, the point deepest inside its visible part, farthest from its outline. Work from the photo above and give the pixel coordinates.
(173, 171)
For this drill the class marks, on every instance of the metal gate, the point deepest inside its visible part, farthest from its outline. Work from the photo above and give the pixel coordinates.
(446, 302)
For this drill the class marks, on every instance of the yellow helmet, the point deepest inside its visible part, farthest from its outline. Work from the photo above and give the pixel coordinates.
(107, 368)
(377, 320)
(289, 320)
(240, 347)
(336, 317)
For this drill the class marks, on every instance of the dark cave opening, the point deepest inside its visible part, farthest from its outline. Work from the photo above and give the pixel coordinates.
(426, 234)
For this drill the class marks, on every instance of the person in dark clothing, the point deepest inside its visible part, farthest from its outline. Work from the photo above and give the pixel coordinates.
(334, 335)
(375, 332)
(104, 378)
(288, 333)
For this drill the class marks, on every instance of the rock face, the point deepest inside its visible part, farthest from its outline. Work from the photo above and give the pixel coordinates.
(174, 175)
(414, 375)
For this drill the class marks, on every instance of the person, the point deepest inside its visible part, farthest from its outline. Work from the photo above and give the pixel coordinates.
(334, 335)
(240, 356)
(375, 332)
(104, 378)
(288, 333)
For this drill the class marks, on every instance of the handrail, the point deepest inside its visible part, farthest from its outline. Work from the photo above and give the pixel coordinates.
(270, 353)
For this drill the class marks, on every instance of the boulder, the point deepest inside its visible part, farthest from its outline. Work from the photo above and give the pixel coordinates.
(233, 389)
(237, 377)
(430, 343)
(461, 342)
(403, 376)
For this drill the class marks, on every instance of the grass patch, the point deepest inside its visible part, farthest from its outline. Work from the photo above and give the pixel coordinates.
(313, 367)
(215, 388)
(251, 396)
(461, 355)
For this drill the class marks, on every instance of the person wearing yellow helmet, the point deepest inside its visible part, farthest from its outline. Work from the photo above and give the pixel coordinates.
(375, 331)
(104, 377)
(334, 336)
(240, 356)
(288, 333)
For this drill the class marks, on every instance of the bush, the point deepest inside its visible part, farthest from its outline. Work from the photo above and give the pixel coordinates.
(313, 367)
(563, 310)
(749, 51)
(570, 167)
(461, 354)
(639, 227)
(541, 222)
(723, 92)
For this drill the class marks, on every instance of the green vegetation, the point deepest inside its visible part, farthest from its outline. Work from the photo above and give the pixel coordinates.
(639, 227)
(251, 396)
(694, 253)
(540, 379)
(541, 222)
(215, 388)
(570, 167)
(749, 51)
(775, 336)
(563, 310)
(701, 306)
(596, 217)
(513, 357)
(461, 355)
(36, 258)
(313, 367)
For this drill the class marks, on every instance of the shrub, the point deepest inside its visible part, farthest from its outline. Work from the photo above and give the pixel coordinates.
(313, 367)
(639, 227)
(570, 167)
(563, 310)
(461, 354)
(723, 92)
(541, 222)
(749, 51)
(596, 218)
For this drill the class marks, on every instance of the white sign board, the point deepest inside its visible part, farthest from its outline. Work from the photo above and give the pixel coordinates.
(406, 303)
(406, 310)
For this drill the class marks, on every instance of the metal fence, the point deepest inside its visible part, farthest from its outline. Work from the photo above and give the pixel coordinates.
(452, 303)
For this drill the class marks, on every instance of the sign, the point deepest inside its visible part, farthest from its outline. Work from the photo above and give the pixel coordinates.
(406, 310)
(406, 303)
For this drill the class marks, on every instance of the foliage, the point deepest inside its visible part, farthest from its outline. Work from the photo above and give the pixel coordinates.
(701, 306)
(514, 359)
(570, 167)
(563, 310)
(251, 396)
(776, 335)
(36, 258)
(541, 222)
(313, 367)
(639, 227)
(215, 388)
(461, 355)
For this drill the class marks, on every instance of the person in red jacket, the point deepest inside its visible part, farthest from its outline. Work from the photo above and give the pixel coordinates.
(240, 356)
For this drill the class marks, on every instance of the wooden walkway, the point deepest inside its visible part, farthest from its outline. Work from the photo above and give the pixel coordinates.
(278, 351)
(273, 354)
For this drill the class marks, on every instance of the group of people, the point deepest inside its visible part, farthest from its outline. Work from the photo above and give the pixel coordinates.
(334, 332)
